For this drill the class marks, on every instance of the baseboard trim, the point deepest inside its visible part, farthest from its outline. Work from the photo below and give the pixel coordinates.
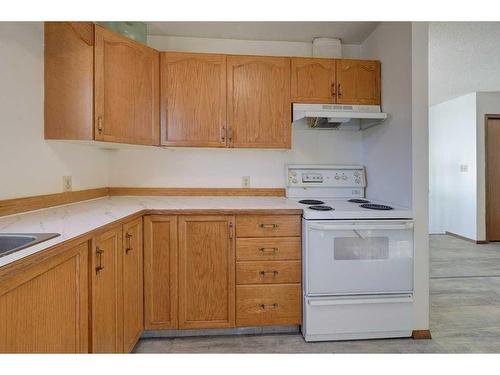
(421, 334)
(169, 333)
(480, 242)
(259, 192)
(37, 202)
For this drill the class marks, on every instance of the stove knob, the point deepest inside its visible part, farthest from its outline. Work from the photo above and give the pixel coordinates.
(294, 180)
(337, 177)
(357, 180)
(344, 178)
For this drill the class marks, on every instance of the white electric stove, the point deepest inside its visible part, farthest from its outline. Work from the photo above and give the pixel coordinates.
(357, 256)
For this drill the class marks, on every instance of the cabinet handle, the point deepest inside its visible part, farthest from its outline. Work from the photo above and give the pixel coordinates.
(333, 89)
(268, 249)
(231, 230)
(270, 226)
(230, 135)
(273, 273)
(100, 125)
(339, 93)
(128, 237)
(271, 306)
(99, 253)
(223, 134)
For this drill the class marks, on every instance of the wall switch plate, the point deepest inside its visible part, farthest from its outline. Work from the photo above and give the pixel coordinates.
(245, 181)
(464, 168)
(67, 184)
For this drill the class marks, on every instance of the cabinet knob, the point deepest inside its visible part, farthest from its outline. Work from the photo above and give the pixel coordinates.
(339, 93)
(99, 253)
(268, 307)
(100, 126)
(273, 273)
(128, 248)
(333, 89)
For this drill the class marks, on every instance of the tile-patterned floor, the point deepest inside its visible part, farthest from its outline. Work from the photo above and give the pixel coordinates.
(465, 314)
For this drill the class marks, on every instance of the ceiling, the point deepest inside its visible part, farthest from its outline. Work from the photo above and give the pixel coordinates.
(464, 57)
(348, 32)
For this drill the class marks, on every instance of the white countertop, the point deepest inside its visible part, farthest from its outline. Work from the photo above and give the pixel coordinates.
(76, 219)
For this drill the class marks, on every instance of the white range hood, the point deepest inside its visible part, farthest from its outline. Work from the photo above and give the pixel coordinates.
(339, 116)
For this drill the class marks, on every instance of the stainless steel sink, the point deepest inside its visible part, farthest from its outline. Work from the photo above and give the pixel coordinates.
(12, 242)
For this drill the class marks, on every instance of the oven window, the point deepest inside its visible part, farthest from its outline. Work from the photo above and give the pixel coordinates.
(352, 248)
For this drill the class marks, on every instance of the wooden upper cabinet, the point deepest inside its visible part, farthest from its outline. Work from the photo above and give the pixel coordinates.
(44, 305)
(69, 80)
(313, 80)
(133, 304)
(358, 82)
(107, 299)
(126, 90)
(193, 99)
(206, 272)
(160, 272)
(258, 99)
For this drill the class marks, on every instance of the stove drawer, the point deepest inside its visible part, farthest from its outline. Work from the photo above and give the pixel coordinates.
(268, 272)
(284, 248)
(268, 225)
(260, 305)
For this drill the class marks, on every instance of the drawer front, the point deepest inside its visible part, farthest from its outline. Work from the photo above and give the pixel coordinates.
(285, 248)
(268, 225)
(261, 305)
(268, 272)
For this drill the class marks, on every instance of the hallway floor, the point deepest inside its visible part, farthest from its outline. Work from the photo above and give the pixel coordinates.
(465, 313)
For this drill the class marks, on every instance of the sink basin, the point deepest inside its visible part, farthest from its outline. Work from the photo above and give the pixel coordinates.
(12, 242)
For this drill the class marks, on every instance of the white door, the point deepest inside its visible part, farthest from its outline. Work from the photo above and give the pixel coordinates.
(358, 257)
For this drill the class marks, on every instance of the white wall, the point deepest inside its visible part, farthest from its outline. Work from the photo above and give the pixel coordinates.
(457, 199)
(387, 148)
(238, 46)
(190, 167)
(464, 57)
(452, 143)
(29, 165)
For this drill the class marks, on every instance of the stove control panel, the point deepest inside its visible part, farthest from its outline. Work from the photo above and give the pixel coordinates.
(325, 176)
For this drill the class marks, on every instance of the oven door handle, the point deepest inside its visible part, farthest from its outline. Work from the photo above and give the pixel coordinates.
(328, 227)
(356, 301)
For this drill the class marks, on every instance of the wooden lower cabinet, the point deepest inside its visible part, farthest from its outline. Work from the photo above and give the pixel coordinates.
(107, 297)
(206, 272)
(133, 301)
(44, 306)
(160, 272)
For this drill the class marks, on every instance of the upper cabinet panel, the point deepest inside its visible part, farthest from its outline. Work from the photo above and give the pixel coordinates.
(313, 80)
(193, 99)
(358, 82)
(69, 77)
(126, 90)
(259, 111)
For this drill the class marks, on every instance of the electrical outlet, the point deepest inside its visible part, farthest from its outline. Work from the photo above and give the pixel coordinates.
(67, 183)
(245, 181)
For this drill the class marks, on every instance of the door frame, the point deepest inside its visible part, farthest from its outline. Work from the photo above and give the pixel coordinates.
(487, 117)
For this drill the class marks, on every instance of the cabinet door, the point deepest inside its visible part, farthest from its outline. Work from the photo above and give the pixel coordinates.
(106, 271)
(259, 109)
(206, 272)
(133, 316)
(358, 82)
(69, 80)
(160, 272)
(126, 90)
(44, 307)
(193, 102)
(313, 80)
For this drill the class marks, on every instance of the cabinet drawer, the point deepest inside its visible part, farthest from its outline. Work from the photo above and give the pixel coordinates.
(285, 248)
(268, 272)
(260, 305)
(267, 225)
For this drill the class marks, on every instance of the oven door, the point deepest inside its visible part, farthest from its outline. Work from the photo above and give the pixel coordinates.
(364, 257)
